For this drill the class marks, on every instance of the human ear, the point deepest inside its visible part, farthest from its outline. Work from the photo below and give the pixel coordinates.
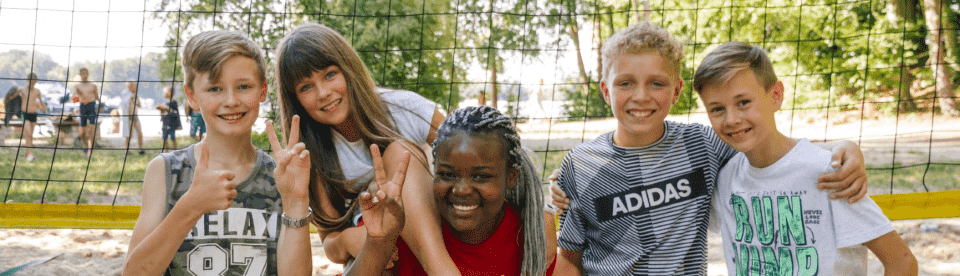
(605, 91)
(676, 91)
(512, 177)
(776, 94)
(190, 98)
(263, 92)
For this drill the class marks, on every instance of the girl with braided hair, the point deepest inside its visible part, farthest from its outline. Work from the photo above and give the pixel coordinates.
(489, 197)
(321, 78)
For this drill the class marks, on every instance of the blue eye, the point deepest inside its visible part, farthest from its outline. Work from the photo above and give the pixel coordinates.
(214, 89)
(331, 74)
(305, 88)
(744, 103)
(245, 86)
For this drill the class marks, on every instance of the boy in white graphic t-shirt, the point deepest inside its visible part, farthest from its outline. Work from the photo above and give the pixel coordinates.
(772, 219)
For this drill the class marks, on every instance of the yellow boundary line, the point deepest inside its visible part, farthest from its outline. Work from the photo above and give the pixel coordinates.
(943, 204)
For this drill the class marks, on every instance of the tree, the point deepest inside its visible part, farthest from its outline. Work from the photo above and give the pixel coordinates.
(936, 40)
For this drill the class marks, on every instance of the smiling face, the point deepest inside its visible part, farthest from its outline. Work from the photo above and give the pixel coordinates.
(640, 88)
(229, 105)
(742, 111)
(84, 74)
(470, 184)
(324, 96)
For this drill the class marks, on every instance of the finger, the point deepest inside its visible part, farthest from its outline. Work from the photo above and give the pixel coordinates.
(380, 196)
(859, 195)
(366, 201)
(204, 157)
(380, 175)
(272, 135)
(553, 176)
(298, 147)
(294, 131)
(227, 175)
(845, 189)
(401, 175)
(555, 189)
(836, 157)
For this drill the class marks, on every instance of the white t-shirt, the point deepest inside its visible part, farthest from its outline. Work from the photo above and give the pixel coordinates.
(411, 116)
(800, 228)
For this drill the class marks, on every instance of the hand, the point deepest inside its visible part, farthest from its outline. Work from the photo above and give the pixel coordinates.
(850, 180)
(292, 173)
(382, 205)
(559, 198)
(212, 190)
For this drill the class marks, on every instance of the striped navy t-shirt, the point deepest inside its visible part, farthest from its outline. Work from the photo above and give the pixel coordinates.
(644, 210)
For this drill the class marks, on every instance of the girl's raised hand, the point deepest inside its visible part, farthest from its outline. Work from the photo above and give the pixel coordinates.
(382, 205)
(292, 173)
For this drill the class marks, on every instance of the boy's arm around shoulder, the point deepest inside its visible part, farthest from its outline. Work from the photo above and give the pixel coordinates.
(569, 263)
(849, 181)
(155, 238)
(893, 252)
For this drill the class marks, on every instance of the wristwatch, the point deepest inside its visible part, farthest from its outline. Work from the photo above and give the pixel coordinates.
(295, 223)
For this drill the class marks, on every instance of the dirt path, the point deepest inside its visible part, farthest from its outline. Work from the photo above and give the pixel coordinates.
(935, 242)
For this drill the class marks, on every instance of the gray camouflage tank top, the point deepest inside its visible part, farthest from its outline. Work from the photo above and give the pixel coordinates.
(241, 240)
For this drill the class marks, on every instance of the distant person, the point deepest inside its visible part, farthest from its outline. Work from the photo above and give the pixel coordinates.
(197, 127)
(129, 102)
(88, 95)
(170, 118)
(32, 103)
(11, 105)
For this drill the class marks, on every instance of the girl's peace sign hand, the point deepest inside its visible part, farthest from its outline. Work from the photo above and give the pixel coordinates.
(292, 173)
(382, 205)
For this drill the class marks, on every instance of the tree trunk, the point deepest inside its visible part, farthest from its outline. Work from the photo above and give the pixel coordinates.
(483, 98)
(493, 79)
(905, 101)
(941, 71)
(575, 36)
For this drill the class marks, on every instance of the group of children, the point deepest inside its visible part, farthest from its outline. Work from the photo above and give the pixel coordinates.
(637, 200)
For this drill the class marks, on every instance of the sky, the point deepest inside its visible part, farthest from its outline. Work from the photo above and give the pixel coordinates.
(82, 30)
(72, 31)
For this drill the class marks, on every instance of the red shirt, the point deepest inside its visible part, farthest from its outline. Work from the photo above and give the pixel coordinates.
(500, 254)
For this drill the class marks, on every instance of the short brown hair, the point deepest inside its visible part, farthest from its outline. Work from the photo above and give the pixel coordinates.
(207, 51)
(641, 37)
(723, 63)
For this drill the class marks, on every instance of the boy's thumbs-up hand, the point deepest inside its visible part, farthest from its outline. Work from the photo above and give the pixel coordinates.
(212, 190)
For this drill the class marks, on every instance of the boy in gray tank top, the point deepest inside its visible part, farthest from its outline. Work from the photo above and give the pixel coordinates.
(221, 213)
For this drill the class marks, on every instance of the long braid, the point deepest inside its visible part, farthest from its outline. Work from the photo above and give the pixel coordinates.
(526, 195)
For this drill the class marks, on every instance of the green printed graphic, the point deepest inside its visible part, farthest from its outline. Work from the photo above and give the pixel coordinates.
(764, 218)
(773, 267)
(791, 220)
(741, 212)
(768, 258)
(807, 261)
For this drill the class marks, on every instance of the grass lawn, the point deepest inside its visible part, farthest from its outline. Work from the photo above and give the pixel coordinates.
(59, 175)
(111, 177)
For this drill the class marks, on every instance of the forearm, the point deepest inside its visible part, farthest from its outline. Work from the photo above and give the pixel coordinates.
(373, 257)
(294, 255)
(422, 231)
(154, 253)
(569, 263)
(334, 248)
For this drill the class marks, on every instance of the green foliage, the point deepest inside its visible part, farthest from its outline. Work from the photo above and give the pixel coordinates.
(580, 106)
(261, 140)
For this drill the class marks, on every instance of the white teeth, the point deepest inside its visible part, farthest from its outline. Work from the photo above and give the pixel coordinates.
(332, 105)
(640, 114)
(738, 134)
(465, 208)
(232, 117)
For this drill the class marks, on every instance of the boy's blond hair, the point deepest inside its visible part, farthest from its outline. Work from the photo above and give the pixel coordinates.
(723, 63)
(207, 51)
(641, 37)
